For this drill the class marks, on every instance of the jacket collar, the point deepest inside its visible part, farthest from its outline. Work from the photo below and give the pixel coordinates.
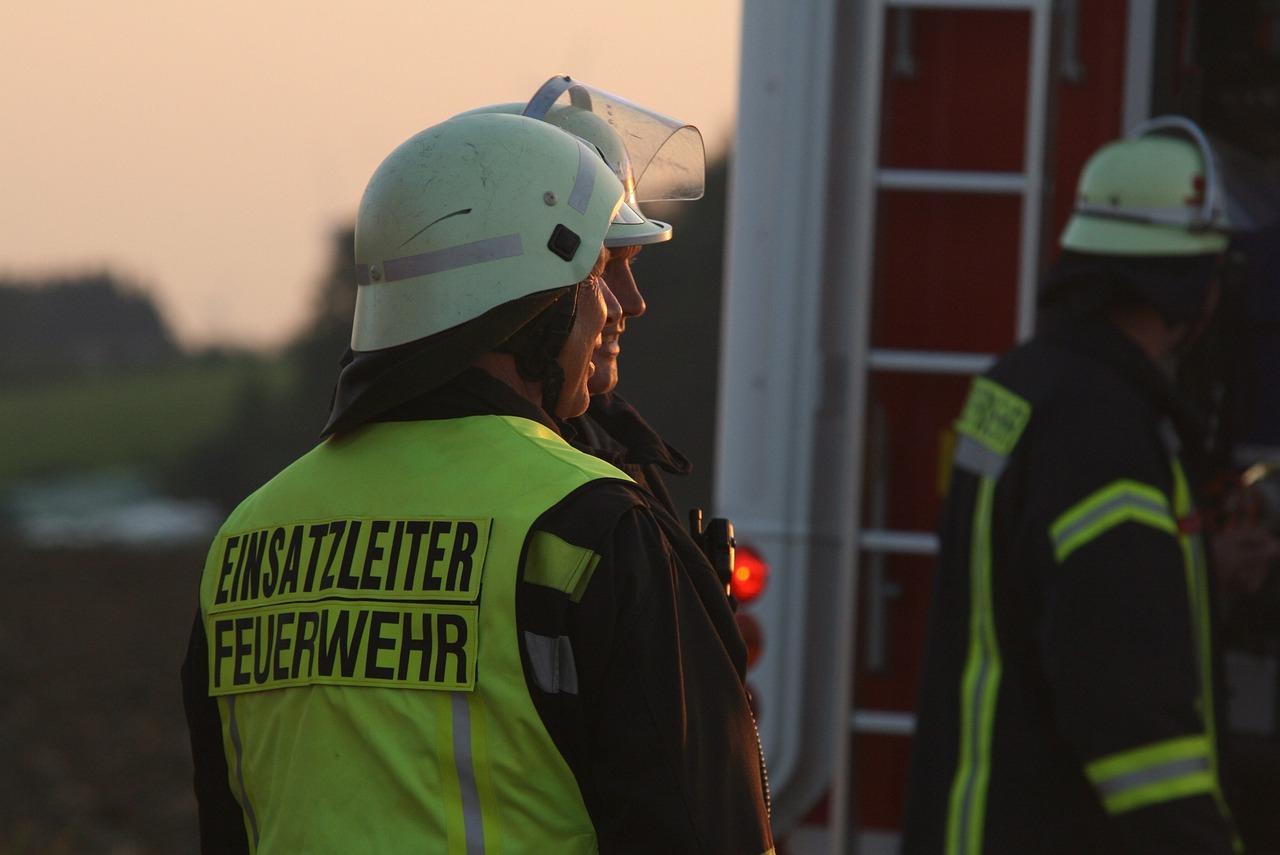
(613, 430)
(1107, 344)
(474, 392)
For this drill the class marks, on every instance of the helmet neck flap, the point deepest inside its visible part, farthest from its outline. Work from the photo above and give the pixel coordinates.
(375, 381)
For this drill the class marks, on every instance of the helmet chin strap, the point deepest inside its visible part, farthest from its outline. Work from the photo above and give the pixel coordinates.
(536, 347)
(551, 387)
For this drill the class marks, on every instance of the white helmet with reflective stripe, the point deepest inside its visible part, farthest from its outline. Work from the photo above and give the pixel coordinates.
(466, 233)
(1157, 192)
(472, 213)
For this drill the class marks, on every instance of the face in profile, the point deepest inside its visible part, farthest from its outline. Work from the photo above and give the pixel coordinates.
(594, 298)
(626, 302)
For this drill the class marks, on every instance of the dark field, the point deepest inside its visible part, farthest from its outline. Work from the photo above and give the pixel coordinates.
(93, 744)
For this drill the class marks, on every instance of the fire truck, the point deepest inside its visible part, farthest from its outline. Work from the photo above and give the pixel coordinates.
(900, 175)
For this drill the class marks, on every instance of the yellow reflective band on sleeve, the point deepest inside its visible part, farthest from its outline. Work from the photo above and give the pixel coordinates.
(556, 563)
(1155, 773)
(979, 688)
(393, 645)
(1119, 502)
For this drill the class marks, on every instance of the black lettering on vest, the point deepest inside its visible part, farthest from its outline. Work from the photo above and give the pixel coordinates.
(253, 551)
(318, 532)
(455, 646)
(378, 642)
(421, 643)
(280, 671)
(263, 648)
(336, 528)
(221, 649)
(269, 579)
(230, 547)
(251, 578)
(435, 552)
(345, 579)
(341, 645)
(235, 577)
(244, 650)
(416, 529)
(292, 563)
(465, 540)
(308, 632)
(373, 552)
(393, 562)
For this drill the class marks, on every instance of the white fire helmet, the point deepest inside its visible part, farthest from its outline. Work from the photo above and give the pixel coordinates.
(466, 232)
(1160, 192)
(471, 214)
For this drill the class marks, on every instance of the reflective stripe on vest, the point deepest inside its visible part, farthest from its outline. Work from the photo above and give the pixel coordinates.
(363, 670)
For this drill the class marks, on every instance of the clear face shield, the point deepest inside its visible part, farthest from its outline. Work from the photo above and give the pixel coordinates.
(1249, 187)
(662, 160)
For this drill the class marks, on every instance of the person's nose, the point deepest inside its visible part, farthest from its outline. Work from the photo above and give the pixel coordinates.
(627, 291)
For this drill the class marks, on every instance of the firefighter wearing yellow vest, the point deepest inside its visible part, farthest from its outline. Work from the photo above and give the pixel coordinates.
(444, 629)
(1068, 702)
(658, 159)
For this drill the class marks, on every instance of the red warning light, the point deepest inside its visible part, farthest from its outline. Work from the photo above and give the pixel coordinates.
(750, 574)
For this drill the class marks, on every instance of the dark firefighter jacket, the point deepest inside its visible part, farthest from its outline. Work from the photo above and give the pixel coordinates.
(574, 684)
(614, 431)
(1066, 704)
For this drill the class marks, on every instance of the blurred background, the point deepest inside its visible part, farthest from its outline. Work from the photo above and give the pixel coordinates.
(178, 184)
(177, 190)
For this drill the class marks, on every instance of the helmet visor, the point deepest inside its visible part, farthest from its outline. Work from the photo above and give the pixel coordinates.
(668, 162)
(1250, 188)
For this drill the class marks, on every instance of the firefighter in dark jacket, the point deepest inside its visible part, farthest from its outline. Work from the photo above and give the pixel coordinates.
(1068, 699)
(444, 629)
(658, 159)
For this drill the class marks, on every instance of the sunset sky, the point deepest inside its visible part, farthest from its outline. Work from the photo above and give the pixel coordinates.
(206, 152)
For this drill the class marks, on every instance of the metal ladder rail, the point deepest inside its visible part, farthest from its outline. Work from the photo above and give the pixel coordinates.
(1025, 185)
(868, 174)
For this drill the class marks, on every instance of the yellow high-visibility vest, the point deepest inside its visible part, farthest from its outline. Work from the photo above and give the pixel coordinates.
(361, 624)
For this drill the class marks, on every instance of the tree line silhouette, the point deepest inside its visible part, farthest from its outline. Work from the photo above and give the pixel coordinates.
(98, 324)
(70, 326)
